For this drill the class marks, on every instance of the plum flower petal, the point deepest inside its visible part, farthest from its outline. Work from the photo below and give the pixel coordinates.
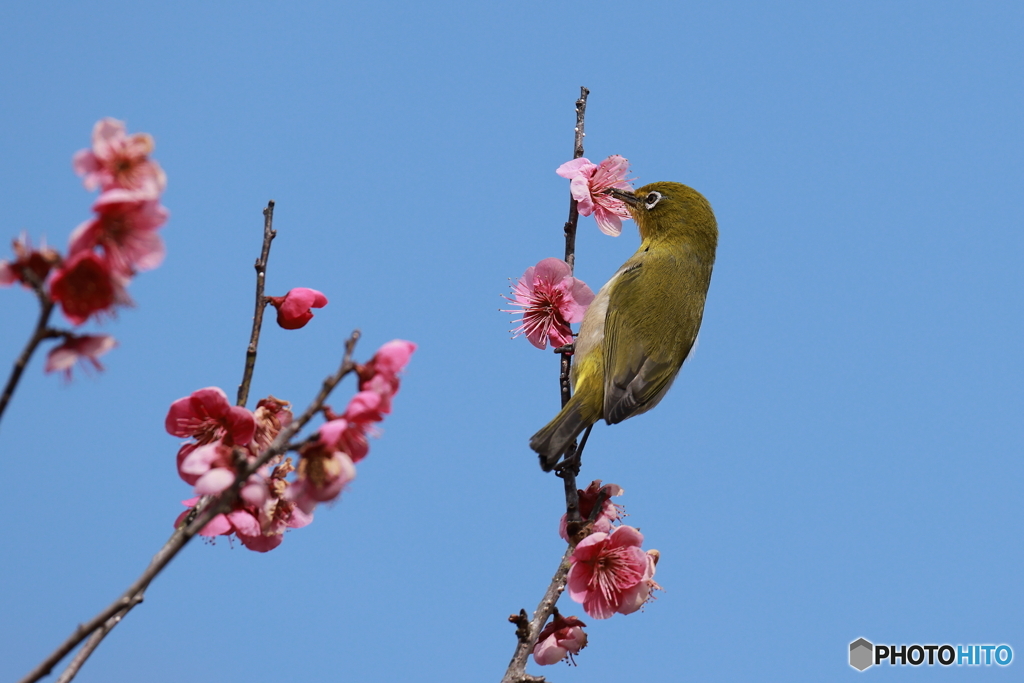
(635, 597)
(605, 567)
(293, 309)
(214, 481)
(85, 349)
(589, 182)
(550, 298)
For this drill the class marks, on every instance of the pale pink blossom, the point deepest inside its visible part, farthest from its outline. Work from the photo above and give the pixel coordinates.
(562, 638)
(27, 260)
(86, 350)
(610, 512)
(85, 286)
(293, 309)
(550, 299)
(606, 569)
(118, 160)
(125, 228)
(589, 184)
(210, 466)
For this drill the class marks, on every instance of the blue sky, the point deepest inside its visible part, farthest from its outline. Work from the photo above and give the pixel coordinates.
(841, 457)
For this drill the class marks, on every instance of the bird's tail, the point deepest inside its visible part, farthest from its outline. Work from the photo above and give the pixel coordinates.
(557, 436)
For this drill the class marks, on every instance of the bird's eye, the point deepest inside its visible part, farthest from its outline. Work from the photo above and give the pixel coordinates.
(652, 199)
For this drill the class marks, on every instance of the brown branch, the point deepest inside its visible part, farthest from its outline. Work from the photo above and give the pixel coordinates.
(99, 625)
(527, 632)
(94, 641)
(568, 474)
(516, 672)
(261, 303)
(38, 335)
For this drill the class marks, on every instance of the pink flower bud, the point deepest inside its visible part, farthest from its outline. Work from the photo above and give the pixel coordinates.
(293, 309)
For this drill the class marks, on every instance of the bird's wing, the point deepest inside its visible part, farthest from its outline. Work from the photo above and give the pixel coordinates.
(639, 362)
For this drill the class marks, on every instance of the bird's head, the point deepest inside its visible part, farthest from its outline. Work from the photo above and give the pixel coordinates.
(670, 211)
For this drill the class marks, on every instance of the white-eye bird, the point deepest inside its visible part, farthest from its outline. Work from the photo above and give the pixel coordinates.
(643, 323)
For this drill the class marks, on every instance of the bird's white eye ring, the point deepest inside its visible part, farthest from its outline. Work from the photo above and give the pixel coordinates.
(652, 199)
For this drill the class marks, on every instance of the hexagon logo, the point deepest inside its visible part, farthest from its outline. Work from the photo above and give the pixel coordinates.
(862, 654)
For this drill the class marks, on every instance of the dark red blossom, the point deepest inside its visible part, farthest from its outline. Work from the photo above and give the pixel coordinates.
(85, 286)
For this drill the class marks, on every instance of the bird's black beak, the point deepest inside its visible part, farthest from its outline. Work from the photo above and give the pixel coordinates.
(623, 195)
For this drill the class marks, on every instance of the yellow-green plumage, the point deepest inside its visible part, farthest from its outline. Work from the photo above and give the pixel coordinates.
(643, 323)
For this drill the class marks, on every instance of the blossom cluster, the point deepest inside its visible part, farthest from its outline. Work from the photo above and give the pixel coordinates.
(548, 298)
(609, 573)
(104, 252)
(226, 440)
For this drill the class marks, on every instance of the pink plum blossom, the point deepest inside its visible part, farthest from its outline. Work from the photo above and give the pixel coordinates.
(381, 374)
(118, 160)
(610, 512)
(258, 519)
(74, 349)
(125, 228)
(324, 469)
(635, 597)
(278, 513)
(210, 466)
(85, 285)
(562, 638)
(589, 183)
(550, 299)
(606, 570)
(206, 415)
(240, 522)
(27, 260)
(293, 309)
(392, 357)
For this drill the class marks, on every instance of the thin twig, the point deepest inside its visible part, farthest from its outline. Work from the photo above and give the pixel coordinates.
(38, 335)
(527, 633)
(577, 152)
(261, 303)
(516, 672)
(182, 535)
(570, 234)
(568, 474)
(90, 645)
